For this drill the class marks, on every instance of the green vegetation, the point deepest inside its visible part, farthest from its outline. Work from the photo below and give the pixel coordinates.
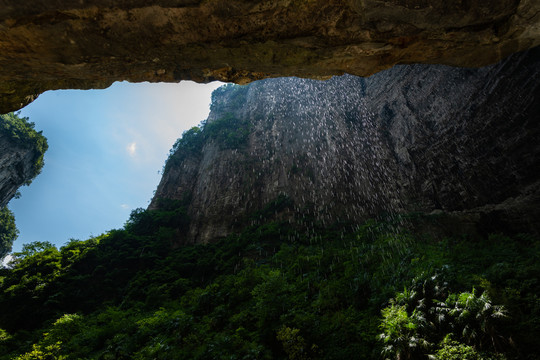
(229, 95)
(276, 290)
(8, 231)
(189, 145)
(21, 131)
(273, 291)
(228, 132)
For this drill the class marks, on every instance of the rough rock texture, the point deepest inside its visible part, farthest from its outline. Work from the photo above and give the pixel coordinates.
(16, 167)
(429, 138)
(58, 44)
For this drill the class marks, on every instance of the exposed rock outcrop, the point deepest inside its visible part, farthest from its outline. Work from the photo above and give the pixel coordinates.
(16, 167)
(91, 43)
(465, 142)
(21, 154)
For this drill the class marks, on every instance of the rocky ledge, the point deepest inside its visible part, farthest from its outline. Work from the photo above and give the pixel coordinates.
(91, 43)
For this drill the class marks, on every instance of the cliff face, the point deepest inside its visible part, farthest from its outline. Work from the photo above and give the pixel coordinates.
(412, 138)
(21, 154)
(92, 43)
(16, 167)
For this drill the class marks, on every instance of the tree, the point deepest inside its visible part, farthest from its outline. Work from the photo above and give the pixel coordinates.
(401, 335)
(33, 248)
(477, 317)
(8, 231)
(294, 344)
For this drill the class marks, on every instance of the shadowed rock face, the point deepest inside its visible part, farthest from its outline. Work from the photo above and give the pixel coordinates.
(464, 142)
(21, 154)
(91, 43)
(16, 167)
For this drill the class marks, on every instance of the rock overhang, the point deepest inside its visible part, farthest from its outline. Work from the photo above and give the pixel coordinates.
(86, 44)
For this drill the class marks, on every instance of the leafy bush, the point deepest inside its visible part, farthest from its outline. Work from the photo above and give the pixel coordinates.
(453, 350)
(228, 131)
(190, 144)
(230, 95)
(417, 319)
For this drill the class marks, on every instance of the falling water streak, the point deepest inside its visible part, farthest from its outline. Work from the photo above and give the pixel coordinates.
(331, 131)
(328, 150)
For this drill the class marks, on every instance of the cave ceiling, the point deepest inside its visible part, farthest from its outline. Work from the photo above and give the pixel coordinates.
(82, 44)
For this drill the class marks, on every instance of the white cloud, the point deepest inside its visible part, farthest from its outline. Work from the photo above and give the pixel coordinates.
(124, 206)
(131, 149)
(6, 261)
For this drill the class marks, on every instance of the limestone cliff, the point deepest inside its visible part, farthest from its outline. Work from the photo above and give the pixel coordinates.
(91, 43)
(412, 138)
(16, 167)
(21, 155)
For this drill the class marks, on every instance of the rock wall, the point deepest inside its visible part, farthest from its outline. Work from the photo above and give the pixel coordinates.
(429, 138)
(16, 167)
(91, 43)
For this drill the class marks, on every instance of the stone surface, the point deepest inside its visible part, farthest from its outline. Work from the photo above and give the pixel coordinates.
(16, 167)
(91, 43)
(427, 138)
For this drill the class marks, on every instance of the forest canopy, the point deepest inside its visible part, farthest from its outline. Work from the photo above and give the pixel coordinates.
(272, 291)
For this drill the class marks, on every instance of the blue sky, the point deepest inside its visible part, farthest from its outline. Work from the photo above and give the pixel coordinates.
(105, 150)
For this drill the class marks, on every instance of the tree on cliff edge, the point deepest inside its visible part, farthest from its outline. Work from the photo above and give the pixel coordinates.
(8, 231)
